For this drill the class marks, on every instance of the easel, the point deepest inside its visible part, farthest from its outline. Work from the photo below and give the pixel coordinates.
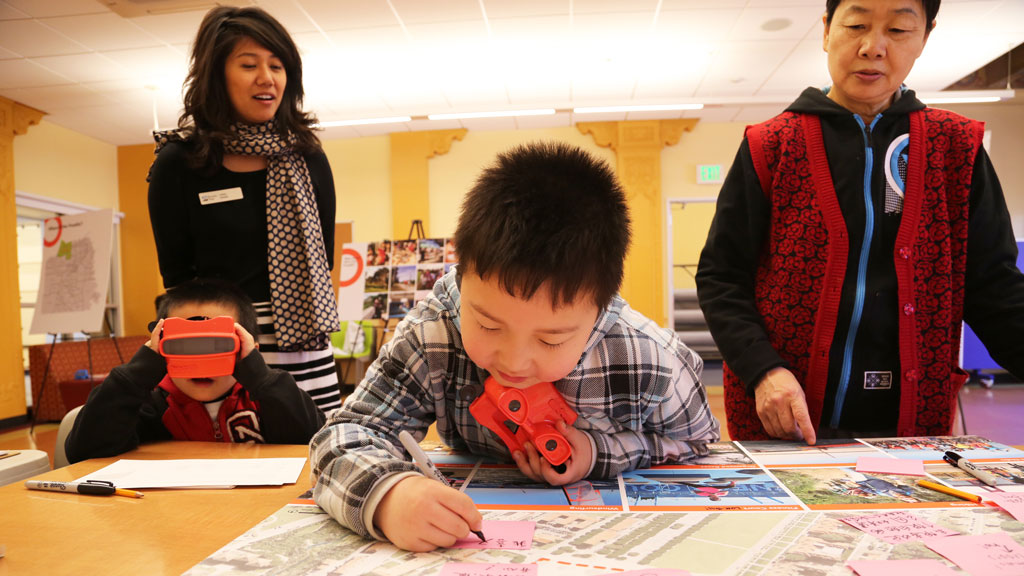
(417, 226)
(88, 346)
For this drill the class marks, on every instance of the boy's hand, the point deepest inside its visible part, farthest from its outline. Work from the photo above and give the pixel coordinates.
(154, 338)
(421, 514)
(246, 343)
(533, 465)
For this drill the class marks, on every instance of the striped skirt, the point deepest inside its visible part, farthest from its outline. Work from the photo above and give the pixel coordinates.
(313, 370)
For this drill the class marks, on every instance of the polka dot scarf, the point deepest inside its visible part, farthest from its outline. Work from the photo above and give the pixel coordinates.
(300, 281)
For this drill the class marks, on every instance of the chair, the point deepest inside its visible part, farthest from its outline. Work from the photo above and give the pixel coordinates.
(60, 459)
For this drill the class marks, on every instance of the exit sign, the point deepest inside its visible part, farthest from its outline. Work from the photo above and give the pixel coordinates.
(709, 174)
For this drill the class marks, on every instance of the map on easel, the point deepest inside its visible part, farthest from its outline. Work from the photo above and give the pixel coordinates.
(75, 273)
(384, 279)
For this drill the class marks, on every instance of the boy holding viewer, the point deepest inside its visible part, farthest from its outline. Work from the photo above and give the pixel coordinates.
(139, 402)
(541, 242)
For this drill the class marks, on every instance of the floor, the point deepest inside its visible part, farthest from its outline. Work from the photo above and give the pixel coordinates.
(994, 413)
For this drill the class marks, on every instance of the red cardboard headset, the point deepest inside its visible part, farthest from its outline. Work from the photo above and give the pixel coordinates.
(526, 415)
(199, 348)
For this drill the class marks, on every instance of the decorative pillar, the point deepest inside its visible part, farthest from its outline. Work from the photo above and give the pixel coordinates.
(15, 119)
(637, 146)
(410, 175)
(141, 282)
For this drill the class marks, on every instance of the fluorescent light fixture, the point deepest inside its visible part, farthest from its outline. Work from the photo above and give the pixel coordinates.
(965, 100)
(496, 114)
(365, 121)
(637, 108)
(965, 96)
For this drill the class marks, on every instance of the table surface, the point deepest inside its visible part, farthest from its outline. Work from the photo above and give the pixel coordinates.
(167, 532)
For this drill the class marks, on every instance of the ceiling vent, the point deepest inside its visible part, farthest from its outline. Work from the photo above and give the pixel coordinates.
(136, 8)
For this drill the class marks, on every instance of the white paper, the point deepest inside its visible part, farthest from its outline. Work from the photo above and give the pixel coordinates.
(200, 473)
(75, 273)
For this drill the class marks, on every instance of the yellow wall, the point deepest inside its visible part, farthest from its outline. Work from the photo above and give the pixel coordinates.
(454, 173)
(58, 163)
(362, 183)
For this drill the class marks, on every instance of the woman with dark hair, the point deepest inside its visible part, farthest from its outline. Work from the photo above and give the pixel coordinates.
(242, 191)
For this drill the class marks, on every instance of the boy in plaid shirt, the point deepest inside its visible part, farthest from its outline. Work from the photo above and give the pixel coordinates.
(541, 243)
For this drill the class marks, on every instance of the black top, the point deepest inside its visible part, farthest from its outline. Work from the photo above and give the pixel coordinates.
(226, 240)
(994, 291)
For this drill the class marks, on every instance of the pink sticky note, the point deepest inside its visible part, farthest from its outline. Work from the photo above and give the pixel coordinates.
(982, 555)
(922, 567)
(469, 569)
(501, 536)
(1012, 502)
(653, 572)
(890, 466)
(897, 526)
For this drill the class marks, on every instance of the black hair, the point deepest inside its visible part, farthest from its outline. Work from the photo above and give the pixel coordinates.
(208, 114)
(206, 291)
(546, 213)
(931, 10)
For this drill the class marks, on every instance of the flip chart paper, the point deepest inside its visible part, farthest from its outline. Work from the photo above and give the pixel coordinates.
(897, 526)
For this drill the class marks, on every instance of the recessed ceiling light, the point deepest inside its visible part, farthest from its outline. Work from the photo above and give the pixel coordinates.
(776, 24)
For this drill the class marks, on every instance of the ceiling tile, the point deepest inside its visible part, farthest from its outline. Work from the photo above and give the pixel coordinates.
(52, 99)
(802, 19)
(8, 12)
(84, 67)
(50, 8)
(347, 14)
(741, 68)
(26, 74)
(557, 120)
(163, 66)
(103, 31)
(755, 114)
(29, 38)
(420, 12)
(613, 6)
(805, 66)
(526, 8)
(176, 28)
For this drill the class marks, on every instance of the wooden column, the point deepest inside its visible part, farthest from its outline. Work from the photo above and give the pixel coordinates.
(140, 272)
(15, 119)
(410, 176)
(637, 146)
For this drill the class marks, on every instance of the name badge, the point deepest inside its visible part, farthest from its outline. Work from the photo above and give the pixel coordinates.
(218, 196)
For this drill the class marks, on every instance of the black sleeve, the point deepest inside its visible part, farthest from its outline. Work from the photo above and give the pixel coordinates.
(287, 414)
(119, 414)
(725, 273)
(994, 287)
(326, 202)
(168, 215)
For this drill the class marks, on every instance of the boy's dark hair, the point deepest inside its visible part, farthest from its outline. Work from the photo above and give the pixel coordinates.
(207, 109)
(546, 213)
(210, 290)
(931, 9)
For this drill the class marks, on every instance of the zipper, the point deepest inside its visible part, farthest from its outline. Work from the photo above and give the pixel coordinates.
(862, 269)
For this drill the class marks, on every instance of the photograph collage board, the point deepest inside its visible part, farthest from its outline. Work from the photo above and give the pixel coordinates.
(753, 476)
(384, 279)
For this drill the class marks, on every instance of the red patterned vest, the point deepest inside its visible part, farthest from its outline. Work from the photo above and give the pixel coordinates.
(801, 271)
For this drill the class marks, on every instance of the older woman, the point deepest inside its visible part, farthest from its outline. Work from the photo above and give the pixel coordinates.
(243, 192)
(853, 235)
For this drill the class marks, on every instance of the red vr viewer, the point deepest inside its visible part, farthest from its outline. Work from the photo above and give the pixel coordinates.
(199, 348)
(525, 415)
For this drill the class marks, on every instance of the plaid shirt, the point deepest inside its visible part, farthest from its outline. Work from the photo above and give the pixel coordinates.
(636, 389)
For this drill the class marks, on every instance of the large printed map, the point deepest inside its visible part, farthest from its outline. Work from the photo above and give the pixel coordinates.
(724, 540)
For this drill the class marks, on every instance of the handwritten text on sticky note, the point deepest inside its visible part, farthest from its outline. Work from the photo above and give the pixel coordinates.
(501, 535)
(918, 567)
(469, 569)
(897, 526)
(982, 555)
(1012, 502)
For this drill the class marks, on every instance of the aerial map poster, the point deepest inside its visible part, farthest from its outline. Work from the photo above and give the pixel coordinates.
(75, 273)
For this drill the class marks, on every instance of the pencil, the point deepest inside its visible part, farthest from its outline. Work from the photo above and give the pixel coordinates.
(950, 491)
(128, 493)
